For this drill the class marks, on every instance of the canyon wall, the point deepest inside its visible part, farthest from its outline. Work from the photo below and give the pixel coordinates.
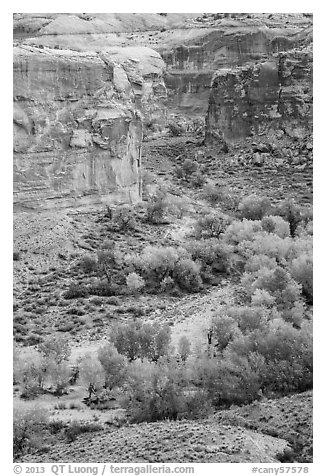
(193, 46)
(78, 125)
(269, 100)
(85, 84)
(191, 67)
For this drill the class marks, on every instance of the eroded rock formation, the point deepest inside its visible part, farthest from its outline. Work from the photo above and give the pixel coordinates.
(272, 98)
(78, 126)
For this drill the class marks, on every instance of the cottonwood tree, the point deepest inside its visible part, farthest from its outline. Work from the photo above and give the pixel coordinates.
(184, 348)
(114, 366)
(56, 352)
(139, 340)
(58, 374)
(55, 348)
(91, 373)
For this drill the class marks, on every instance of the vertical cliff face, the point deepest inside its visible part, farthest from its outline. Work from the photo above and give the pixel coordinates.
(224, 43)
(270, 98)
(77, 126)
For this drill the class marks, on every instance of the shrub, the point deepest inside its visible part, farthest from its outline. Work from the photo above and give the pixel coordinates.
(210, 226)
(103, 288)
(179, 207)
(56, 426)
(179, 172)
(156, 262)
(114, 365)
(254, 207)
(211, 253)
(134, 282)
(261, 297)
(157, 207)
(302, 270)
(288, 455)
(124, 218)
(198, 179)
(32, 339)
(189, 167)
(75, 291)
(88, 264)
(114, 301)
(244, 230)
(214, 194)
(186, 274)
(97, 301)
(291, 213)
(29, 427)
(269, 245)
(276, 225)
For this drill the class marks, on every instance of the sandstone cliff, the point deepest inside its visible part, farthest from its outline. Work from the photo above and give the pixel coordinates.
(224, 43)
(270, 99)
(193, 46)
(77, 125)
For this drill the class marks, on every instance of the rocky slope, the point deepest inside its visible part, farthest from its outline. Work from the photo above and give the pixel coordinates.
(77, 124)
(262, 432)
(169, 442)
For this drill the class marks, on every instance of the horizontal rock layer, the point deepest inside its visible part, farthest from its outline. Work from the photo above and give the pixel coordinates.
(77, 128)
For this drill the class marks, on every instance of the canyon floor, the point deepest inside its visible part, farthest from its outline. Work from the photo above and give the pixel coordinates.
(50, 243)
